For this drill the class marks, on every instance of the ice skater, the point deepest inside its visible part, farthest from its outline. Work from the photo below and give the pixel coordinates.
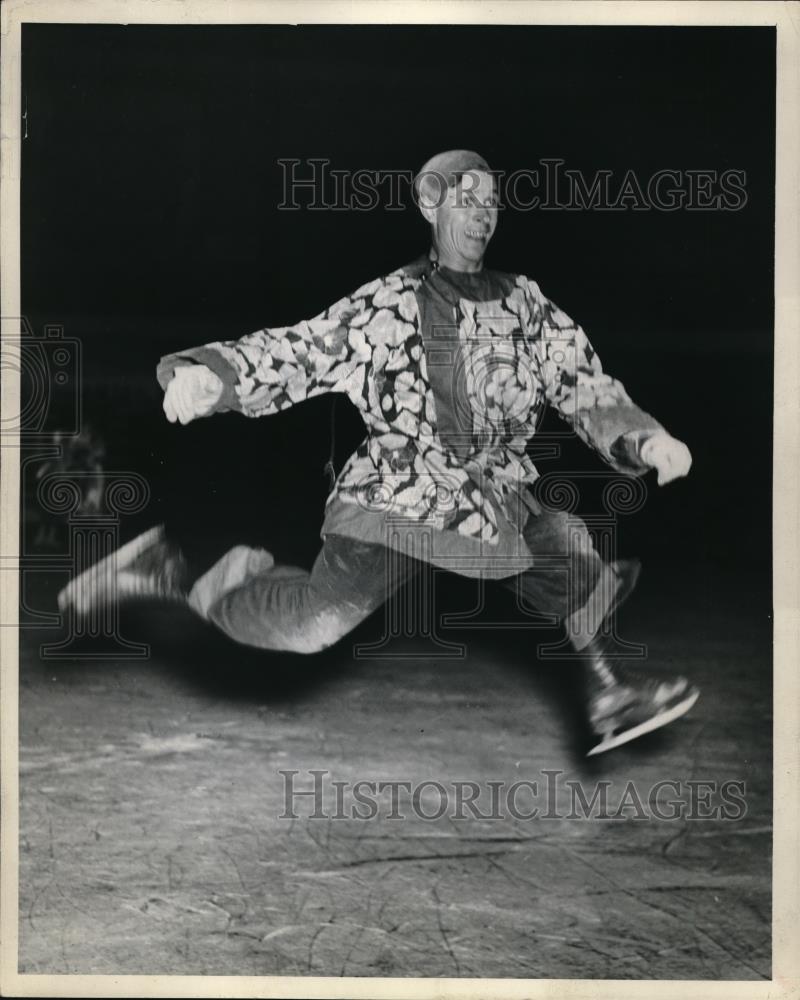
(450, 366)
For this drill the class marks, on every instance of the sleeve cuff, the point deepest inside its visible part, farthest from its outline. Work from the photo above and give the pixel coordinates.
(212, 360)
(626, 449)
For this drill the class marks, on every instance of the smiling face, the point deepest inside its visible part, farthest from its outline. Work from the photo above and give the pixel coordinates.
(464, 222)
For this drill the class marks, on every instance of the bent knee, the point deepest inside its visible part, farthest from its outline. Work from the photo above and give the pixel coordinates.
(310, 635)
(558, 533)
(311, 640)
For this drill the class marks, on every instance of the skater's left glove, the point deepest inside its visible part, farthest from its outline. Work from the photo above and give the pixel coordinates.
(668, 456)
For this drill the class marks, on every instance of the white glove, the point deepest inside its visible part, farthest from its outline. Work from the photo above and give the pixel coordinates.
(670, 457)
(193, 392)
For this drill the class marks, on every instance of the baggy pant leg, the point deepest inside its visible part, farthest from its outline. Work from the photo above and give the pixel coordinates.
(286, 608)
(575, 584)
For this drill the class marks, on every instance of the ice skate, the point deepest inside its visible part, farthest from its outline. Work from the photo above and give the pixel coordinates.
(149, 566)
(625, 703)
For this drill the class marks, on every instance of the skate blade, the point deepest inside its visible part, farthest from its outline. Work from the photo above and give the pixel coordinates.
(662, 719)
(113, 563)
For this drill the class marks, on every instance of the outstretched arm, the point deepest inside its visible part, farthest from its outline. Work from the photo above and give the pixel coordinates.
(271, 369)
(596, 405)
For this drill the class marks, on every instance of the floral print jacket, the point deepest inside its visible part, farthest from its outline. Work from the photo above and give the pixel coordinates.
(519, 353)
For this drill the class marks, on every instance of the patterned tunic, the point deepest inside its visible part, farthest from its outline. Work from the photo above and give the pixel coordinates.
(459, 477)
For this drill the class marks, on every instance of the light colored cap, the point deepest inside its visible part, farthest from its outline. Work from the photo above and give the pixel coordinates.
(443, 171)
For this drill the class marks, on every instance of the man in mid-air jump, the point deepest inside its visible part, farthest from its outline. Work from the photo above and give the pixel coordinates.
(450, 366)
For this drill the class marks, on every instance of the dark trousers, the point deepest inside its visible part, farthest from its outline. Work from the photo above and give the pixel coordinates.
(274, 607)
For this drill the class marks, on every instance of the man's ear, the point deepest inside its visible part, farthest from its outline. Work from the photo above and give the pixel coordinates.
(428, 209)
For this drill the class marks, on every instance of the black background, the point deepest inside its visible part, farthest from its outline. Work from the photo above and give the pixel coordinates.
(150, 188)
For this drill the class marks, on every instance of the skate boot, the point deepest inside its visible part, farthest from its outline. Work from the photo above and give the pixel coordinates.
(627, 572)
(149, 566)
(625, 703)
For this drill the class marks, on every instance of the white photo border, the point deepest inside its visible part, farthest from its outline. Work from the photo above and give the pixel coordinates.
(786, 511)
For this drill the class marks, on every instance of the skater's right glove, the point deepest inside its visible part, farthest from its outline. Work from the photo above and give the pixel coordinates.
(193, 392)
